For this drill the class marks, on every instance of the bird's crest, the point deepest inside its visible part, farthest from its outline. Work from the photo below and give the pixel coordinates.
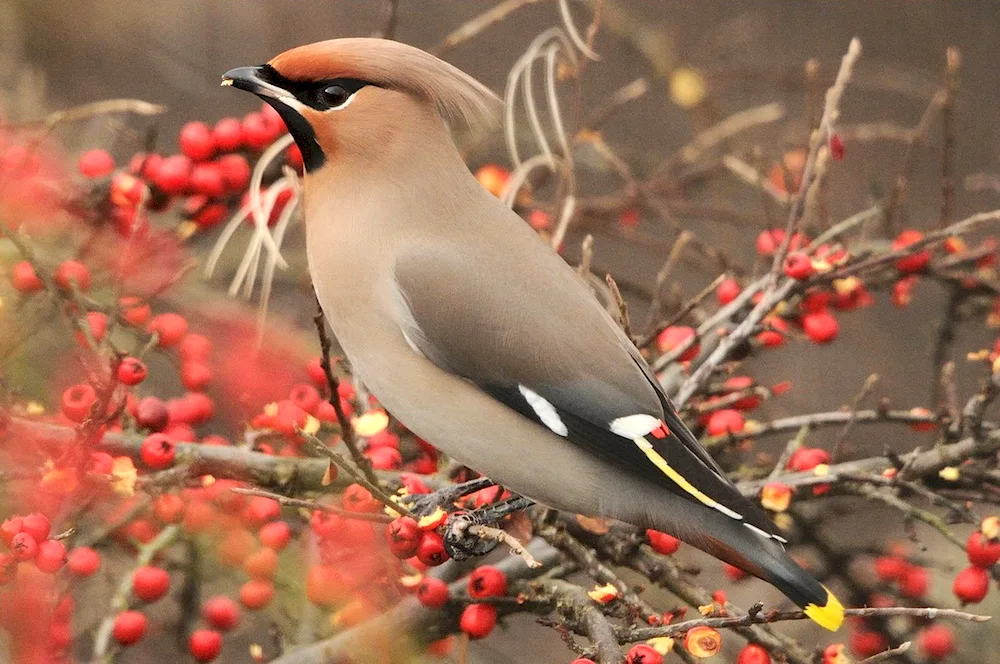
(459, 98)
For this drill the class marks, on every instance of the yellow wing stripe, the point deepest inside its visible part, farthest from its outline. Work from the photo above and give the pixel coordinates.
(678, 479)
(829, 616)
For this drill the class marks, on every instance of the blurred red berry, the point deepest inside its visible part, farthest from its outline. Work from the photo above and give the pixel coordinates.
(24, 279)
(403, 536)
(51, 556)
(773, 334)
(820, 327)
(915, 262)
(256, 594)
(196, 141)
(205, 644)
(170, 328)
(262, 509)
(235, 172)
(37, 525)
(798, 266)
(195, 376)
(865, 642)
(890, 568)
(725, 421)
(207, 180)
(150, 583)
(275, 535)
(133, 310)
(95, 163)
(72, 273)
(152, 414)
(83, 561)
(173, 175)
(227, 134)
(129, 626)
(727, 291)
(936, 641)
(914, 582)
(169, 508)
(257, 135)
(753, 654)
(662, 542)
(221, 612)
(261, 564)
(158, 451)
(676, 336)
(384, 457)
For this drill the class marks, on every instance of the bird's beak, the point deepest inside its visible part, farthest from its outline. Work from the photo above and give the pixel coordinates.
(252, 80)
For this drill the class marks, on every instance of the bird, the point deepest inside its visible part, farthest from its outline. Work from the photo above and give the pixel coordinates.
(474, 333)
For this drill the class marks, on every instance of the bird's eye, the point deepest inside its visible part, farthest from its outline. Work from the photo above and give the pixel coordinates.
(335, 95)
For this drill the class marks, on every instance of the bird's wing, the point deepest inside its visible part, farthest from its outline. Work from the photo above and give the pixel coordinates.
(543, 345)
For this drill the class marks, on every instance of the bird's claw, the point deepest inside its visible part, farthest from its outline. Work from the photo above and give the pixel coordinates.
(460, 543)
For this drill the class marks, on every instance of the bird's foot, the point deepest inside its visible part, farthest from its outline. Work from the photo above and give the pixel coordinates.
(461, 543)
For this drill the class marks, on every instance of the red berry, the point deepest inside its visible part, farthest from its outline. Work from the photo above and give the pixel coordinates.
(152, 414)
(173, 174)
(70, 273)
(205, 644)
(836, 144)
(294, 157)
(169, 508)
(937, 641)
(478, 620)
(662, 542)
(798, 266)
(37, 525)
(195, 348)
(195, 376)
(9, 528)
(866, 643)
(196, 142)
(773, 334)
(432, 593)
(676, 336)
(983, 552)
(24, 546)
(97, 324)
(24, 279)
(769, 240)
(642, 653)
(971, 585)
(83, 561)
(221, 612)
(227, 134)
(890, 568)
(725, 421)
(275, 535)
(753, 654)
(169, 327)
(131, 371)
(129, 627)
(914, 262)
(820, 327)
(158, 451)
(384, 458)
(403, 535)
(305, 397)
(256, 594)
(728, 290)
(487, 581)
(430, 549)
(77, 400)
(95, 163)
(914, 582)
(356, 498)
(150, 583)
(257, 134)
(582, 660)
(51, 556)
(261, 509)
(235, 172)
(261, 564)
(807, 458)
(133, 310)
(207, 180)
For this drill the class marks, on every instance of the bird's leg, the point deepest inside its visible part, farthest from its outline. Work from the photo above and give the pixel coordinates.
(426, 503)
(461, 544)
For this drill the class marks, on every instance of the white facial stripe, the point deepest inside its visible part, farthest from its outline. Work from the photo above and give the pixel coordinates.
(634, 426)
(545, 411)
(345, 104)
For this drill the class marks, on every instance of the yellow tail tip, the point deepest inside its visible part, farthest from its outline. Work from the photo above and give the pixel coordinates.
(829, 616)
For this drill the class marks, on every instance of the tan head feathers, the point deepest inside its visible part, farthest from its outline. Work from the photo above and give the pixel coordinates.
(391, 64)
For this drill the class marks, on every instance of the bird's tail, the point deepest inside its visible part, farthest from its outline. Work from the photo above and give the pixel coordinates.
(765, 558)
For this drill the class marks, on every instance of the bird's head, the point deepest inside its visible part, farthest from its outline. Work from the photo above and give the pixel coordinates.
(358, 96)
